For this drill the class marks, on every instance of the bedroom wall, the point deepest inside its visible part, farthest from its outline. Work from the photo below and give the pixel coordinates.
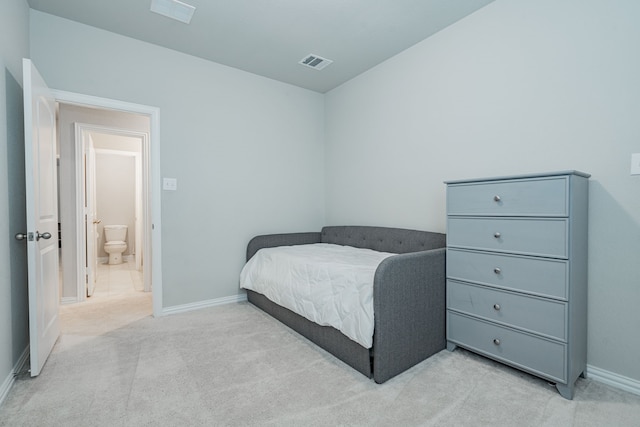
(247, 151)
(14, 323)
(517, 87)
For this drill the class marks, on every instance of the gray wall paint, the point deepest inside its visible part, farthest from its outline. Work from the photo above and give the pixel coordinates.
(517, 87)
(14, 326)
(67, 116)
(247, 151)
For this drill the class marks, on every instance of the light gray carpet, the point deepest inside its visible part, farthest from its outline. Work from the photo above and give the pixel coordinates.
(234, 365)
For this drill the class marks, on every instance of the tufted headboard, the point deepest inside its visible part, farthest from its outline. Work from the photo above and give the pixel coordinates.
(384, 239)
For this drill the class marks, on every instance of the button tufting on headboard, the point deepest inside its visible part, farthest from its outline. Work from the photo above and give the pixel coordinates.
(396, 240)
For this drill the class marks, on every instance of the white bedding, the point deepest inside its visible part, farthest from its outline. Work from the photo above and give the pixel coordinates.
(330, 285)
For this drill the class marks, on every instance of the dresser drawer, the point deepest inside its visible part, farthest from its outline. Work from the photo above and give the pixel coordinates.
(537, 355)
(533, 314)
(527, 236)
(531, 197)
(538, 276)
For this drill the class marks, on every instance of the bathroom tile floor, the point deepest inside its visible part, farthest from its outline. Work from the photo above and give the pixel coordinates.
(117, 279)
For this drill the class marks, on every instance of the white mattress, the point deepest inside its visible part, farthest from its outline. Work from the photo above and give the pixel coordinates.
(328, 284)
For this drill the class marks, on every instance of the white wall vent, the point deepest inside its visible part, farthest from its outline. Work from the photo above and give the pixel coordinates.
(314, 61)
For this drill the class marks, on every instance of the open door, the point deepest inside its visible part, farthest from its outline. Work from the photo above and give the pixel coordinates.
(42, 215)
(91, 221)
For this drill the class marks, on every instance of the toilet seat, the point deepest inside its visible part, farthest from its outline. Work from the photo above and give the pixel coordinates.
(115, 243)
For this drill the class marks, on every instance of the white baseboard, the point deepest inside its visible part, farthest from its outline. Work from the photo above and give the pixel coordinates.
(613, 379)
(68, 300)
(203, 304)
(6, 385)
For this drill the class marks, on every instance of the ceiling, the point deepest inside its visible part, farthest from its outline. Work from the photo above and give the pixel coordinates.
(270, 37)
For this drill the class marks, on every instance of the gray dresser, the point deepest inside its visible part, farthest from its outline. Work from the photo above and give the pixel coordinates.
(517, 272)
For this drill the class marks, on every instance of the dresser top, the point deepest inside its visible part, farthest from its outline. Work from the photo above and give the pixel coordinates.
(532, 175)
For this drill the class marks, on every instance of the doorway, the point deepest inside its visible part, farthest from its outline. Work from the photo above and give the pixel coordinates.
(112, 119)
(112, 192)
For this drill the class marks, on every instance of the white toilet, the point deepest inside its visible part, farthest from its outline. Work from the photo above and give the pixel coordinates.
(116, 244)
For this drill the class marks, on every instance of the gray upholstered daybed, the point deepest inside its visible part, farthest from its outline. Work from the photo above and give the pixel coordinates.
(408, 298)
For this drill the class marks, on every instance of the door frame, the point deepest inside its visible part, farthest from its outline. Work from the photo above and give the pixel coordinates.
(142, 203)
(89, 193)
(154, 191)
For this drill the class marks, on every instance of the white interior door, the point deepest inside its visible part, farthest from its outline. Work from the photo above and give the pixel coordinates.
(139, 254)
(91, 220)
(42, 215)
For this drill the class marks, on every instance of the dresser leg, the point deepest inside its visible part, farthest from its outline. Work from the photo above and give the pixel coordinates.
(451, 346)
(566, 391)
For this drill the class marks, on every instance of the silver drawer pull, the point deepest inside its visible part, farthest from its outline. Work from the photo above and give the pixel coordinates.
(497, 270)
(496, 307)
(496, 198)
(497, 235)
(496, 341)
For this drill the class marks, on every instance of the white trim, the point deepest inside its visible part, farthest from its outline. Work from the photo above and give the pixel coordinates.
(155, 191)
(22, 361)
(6, 385)
(204, 304)
(68, 300)
(613, 379)
(81, 262)
(118, 152)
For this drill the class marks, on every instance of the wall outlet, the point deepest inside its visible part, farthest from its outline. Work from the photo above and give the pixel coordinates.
(635, 164)
(170, 184)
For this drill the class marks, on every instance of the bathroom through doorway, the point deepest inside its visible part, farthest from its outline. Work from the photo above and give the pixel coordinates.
(112, 167)
(104, 173)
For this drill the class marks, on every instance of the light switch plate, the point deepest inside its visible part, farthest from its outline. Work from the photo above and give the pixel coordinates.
(635, 164)
(170, 184)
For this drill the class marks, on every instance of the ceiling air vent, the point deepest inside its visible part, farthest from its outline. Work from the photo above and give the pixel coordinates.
(173, 9)
(314, 61)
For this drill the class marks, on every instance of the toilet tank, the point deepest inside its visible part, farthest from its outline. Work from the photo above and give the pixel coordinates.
(115, 233)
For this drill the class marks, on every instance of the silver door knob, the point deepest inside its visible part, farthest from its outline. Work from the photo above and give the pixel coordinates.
(45, 236)
(496, 198)
(21, 236)
(496, 307)
(497, 235)
(496, 341)
(497, 270)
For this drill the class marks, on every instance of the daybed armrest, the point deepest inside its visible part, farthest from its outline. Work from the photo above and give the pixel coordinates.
(409, 311)
(286, 239)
